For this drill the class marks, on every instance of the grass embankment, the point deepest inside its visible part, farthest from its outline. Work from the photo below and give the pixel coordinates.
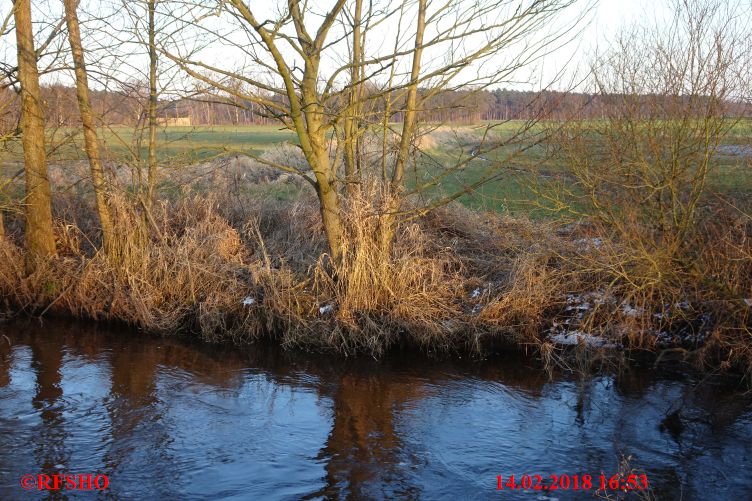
(234, 265)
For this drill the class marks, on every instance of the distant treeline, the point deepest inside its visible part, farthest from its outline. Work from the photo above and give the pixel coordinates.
(451, 106)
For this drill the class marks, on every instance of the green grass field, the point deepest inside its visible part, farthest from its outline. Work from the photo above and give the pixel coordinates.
(196, 143)
(184, 144)
(513, 190)
(521, 176)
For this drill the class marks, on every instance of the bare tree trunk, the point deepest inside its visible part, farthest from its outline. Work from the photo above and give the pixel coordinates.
(307, 114)
(351, 121)
(152, 112)
(317, 155)
(91, 144)
(408, 124)
(330, 215)
(408, 127)
(40, 239)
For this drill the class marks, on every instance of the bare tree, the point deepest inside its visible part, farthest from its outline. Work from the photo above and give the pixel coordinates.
(152, 108)
(7, 124)
(91, 143)
(293, 71)
(671, 96)
(40, 239)
(352, 125)
(411, 112)
(667, 95)
(126, 35)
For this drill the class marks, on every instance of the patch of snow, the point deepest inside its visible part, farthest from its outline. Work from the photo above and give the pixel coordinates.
(601, 297)
(583, 306)
(586, 244)
(475, 294)
(629, 311)
(663, 338)
(597, 297)
(574, 338)
(694, 334)
(248, 301)
(327, 308)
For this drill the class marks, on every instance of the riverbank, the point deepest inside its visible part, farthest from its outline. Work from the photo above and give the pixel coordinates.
(240, 268)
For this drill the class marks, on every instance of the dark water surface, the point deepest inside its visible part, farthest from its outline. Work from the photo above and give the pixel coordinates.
(170, 420)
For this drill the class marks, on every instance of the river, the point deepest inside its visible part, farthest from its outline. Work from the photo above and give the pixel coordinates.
(169, 419)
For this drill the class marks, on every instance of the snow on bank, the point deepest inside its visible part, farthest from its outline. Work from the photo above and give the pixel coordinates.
(327, 308)
(575, 338)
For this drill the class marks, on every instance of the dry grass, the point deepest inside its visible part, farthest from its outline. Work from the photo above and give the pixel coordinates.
(191, 268)
(692, 303)
(410, 290)
(236, 266)
(531, 291)
(161, 285)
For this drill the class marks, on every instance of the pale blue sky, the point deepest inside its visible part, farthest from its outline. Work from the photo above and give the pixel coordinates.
(606, 19)
(603, 22)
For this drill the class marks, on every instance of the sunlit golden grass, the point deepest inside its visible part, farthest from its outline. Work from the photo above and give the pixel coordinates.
(233, 266)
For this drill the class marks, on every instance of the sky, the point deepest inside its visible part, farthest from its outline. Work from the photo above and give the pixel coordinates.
(600, 24)
(611, 14)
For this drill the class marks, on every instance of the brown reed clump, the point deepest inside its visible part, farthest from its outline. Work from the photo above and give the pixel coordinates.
(237, 269)
(381, 294)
